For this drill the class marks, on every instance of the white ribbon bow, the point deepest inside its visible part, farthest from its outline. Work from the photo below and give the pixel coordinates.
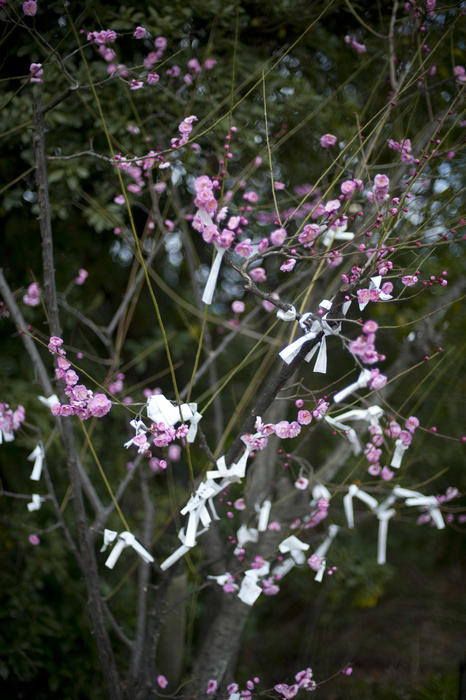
(354, 491)
(35, 503)
(400, 449)
(318, 325)
(38, 456)
(263, 515)
(160, 409)
(375, 283)
(127, 539)
(361, 383)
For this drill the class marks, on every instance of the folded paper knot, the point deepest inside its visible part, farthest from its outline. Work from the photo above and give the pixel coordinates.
(160, 410)
(35, 503)
(361, 383)
(263, 515)
(355, 492)
(126, 539)
(109, 537)
(375, 283)
(349, 433)
(295, 547)
(49, 401)
(313, 327)
(288, 315)
(38, 456)
(400, 449)
(383, 516)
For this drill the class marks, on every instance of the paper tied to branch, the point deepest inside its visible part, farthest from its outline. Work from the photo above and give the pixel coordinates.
(400, 449)
(37, 455)
(355, 492)
(348, 431)
(375, 283)
(263, 514)
(49, 401)
(160, 410)
(383, 516)
(250, 590)
(318, 325)
(337, 233)
(288, 315)
(126, 539)
(35, 503)
(361, 383)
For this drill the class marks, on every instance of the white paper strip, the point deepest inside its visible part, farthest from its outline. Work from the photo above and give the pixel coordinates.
(354, 491)
(361, 383)
(264, 514)
(50, 401)
(322, 550)
(213, 276)
(384, 517)
(249, 591)
(36, 502)
(289, 315)
(400, 449)
(126, 539)
(321, 571)
(38, 456)
(109, 537)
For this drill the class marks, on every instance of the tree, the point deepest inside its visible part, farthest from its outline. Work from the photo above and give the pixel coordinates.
(228, 238)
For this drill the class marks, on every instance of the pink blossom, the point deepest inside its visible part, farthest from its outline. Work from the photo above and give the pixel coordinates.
(36, 71)
(210, 63)
(279, 185)
(386, 474)
(332, 205)
(302, 483)
(211, 687)
(162, 681)
(153, 78)
(99, 405)
(412, 423)
(34, 540)
(288, 265)
(274, 526)
(82, 276)
(194, 65)
(238, 307)
(32, 297)
(244, 248)
(139, 33)
(251, 196)
(278, 236)
(258, 274)
(314, 562)
(328, 140)
(161, 43)
(239, 504)
(308, 235)
(304, 417)
(347, 187)
(409, 280)
(377, 380)
(30, 8)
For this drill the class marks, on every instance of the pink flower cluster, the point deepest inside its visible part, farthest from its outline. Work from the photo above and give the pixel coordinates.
(36, 71)
(308, 235)
(106, 36)
(30, 8)
(404, 147)
(303, 680)
(373, 450)
(348, 187)
(359, 48)
(185, 129)
(315, 518)
(328, 140)
(364, 346)
(82, 401)
(32, 296)
(10, 421)
(82, 276)
(380, 187)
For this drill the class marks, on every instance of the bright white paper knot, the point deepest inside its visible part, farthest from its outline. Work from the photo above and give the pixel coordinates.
(126, 539)
(289, 315)
(38, 456)
(354, 491)
(375, 283)
(160, 410)
(317, 326)
(361, 383)
(35, 503)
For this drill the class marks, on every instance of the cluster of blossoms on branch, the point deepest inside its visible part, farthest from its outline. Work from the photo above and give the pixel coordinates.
(82, 401)
(32, 296)
(10, 421)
